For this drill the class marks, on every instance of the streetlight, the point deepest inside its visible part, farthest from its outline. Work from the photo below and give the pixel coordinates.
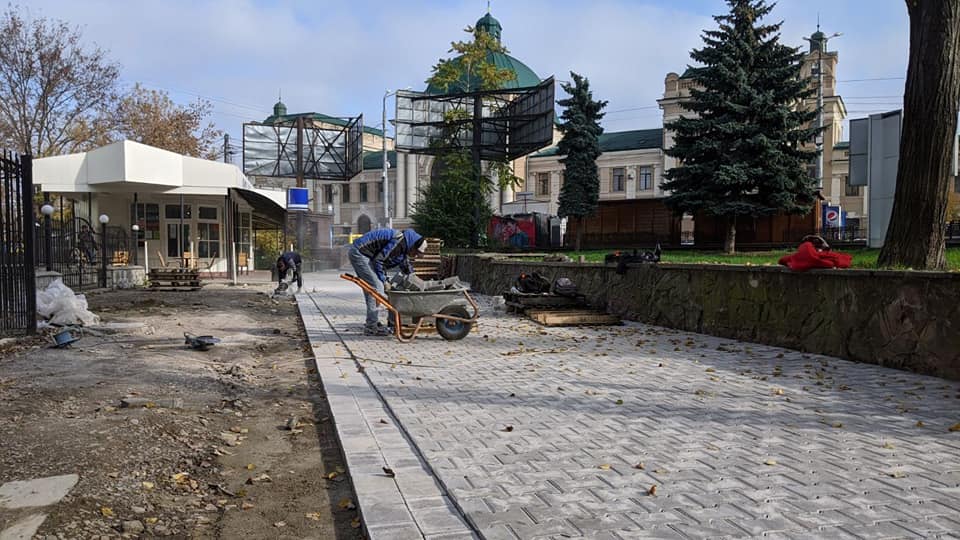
(47, 211)
(819, 41)
(386, 162)
(104, 219)
(136, 242)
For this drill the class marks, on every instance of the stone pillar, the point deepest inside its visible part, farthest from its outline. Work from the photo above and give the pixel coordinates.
(633, 178)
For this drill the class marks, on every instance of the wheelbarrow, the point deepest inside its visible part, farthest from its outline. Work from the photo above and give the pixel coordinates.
(450, 309)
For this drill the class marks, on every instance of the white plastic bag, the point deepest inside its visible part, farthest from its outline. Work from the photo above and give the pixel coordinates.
(59, 304)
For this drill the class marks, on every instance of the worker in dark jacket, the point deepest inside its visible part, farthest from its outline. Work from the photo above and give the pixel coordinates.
(374, 253)
(290, 260)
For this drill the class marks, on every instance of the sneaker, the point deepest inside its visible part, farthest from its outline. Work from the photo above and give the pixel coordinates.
(378, 330)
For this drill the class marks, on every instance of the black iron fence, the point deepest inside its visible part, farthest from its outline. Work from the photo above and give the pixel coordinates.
(82, 252)
(18, 294)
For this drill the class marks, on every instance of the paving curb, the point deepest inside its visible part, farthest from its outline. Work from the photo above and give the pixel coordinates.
(412, 504)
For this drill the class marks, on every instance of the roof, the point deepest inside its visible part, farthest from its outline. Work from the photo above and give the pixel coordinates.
(319, 117)
(523, 75)
(374, 160)
(619, 141)
(690, 73)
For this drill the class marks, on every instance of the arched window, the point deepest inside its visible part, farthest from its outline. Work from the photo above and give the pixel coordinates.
(363, 224)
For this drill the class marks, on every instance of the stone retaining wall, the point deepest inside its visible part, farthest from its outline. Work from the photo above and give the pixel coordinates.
(906, 320)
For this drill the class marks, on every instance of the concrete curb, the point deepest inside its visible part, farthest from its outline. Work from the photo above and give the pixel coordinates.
(412, 503)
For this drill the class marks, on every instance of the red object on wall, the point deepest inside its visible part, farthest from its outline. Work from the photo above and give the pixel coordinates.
(807, 257)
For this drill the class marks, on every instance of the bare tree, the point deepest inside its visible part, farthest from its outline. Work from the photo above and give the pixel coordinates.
(54, 90)
(915, 238)
(151, 117)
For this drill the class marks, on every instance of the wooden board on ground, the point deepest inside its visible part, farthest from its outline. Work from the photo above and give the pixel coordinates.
(572, 317)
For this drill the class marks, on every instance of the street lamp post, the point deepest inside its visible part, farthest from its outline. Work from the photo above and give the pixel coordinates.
(104, 219)
(47, 211)
(386, 163)
(136, 242)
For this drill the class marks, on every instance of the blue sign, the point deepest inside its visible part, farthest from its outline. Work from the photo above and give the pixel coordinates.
(298, 199)
(833, 217)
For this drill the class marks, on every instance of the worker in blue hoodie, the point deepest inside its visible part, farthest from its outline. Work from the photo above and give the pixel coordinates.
(374, 253)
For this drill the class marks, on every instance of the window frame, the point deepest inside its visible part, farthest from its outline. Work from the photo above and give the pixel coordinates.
(614, 177)
(542, 184)
(645, 179)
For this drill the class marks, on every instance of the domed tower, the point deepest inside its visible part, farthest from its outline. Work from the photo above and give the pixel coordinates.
(523, 75)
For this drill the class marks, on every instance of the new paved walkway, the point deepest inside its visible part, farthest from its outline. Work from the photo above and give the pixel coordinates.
(636, 432)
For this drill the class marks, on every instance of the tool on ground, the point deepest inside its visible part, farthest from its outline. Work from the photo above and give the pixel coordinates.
(200, 343)
(63, 339)
(448, 307)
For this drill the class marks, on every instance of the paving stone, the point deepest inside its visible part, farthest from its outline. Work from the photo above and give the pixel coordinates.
(23, 528)
(36, 492)
(739, 438)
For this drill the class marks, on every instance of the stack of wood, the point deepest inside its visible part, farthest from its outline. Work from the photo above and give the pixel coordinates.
(551, 309)
(427, 265)
(174, 279)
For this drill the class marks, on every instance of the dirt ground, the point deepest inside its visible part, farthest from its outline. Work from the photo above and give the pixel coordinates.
(205, 450)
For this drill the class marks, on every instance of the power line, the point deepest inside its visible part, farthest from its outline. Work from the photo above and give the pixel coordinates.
(874, 79)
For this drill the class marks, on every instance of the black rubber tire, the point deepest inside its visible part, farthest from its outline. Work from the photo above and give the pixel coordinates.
(451, 330)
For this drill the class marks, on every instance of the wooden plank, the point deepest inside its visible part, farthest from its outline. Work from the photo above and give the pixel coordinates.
(557, 319)
(533, 313)
(544, 301)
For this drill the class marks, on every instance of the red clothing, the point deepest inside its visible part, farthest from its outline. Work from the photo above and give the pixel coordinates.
(808, 257)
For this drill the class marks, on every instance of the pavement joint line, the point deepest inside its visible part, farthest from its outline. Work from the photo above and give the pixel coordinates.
(396, 423)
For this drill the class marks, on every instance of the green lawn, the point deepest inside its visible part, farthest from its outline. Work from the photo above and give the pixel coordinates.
(862, 258)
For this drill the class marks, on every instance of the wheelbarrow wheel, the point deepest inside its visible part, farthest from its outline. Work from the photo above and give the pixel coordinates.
(451, 330)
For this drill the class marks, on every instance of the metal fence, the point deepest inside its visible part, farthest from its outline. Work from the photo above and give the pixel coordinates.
(80, 251)
(18, 291)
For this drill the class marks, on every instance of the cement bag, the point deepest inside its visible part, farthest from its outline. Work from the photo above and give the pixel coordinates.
(59, 304)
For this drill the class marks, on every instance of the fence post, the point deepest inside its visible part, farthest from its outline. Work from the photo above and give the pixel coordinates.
(27, 237)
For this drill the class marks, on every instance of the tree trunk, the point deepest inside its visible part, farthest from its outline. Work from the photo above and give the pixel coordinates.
(581, 220)
(915, 237)
(730, 241)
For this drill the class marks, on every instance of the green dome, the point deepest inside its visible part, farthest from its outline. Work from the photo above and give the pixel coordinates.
(523, 75)
(489, 25)
(279, 109)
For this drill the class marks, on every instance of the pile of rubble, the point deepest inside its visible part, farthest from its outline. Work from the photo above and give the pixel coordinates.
(410, 282)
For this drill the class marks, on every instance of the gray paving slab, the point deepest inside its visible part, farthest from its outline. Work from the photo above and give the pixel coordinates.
(36, 492)
(539, 432)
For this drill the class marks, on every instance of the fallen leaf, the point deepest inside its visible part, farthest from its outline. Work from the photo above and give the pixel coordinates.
(280, 524)
(778, 392)
(251, 466)
(652, 491)
(181, 478)
(356, 522)
(389, 472)
(508, 429)
(331, 475)
(147, 485)
(770, 462)
(888, 446)
(106, 511)
(955, 427)
(382, 421)
(639, 466)
(246, 506)
(619, 402)
(837, 424)
(919, 423)
(152, 520)
(316, 516)
(710, 370)
(661, 471)
(898, 474)
(605, 466)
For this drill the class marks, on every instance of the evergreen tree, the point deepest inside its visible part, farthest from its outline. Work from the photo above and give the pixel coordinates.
(743, 153)
(445, 211)
(580, 148)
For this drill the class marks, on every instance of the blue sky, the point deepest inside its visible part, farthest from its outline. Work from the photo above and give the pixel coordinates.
(339, 57)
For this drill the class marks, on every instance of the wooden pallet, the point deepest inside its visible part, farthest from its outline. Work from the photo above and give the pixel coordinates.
(427, 266)
(175, 280)
(572, 317)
